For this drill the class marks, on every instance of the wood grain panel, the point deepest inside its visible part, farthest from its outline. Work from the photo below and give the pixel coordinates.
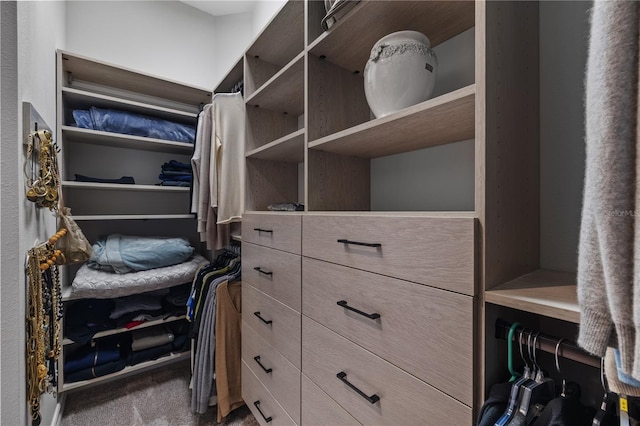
(510, 160)
(425, 331)
(235, 74)
(445, 119)
(283, 37)
(285, 268)
(284, 92)
(283, 333)
(349, 42)
(439, 252)
(265, 126)
(336, 98)
(252, 391)
(320, 410)
(338, 182)
(315, 12)
(286, 227)
(256, 73)
(404, 400)
(283, 382)
(270, 182)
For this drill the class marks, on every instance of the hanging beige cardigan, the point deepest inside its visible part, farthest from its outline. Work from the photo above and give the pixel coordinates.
(609, 249)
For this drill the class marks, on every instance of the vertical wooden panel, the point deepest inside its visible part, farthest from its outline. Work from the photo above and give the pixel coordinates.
(264, 126)
(270, 182)
(338, 182)
(256, 73)
(336, 98)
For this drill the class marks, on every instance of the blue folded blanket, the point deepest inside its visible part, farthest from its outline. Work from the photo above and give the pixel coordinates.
(109, 120)
(123, 254)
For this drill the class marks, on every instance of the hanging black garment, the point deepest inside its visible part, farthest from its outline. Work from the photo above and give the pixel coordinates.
(495, 405)
(566, 411)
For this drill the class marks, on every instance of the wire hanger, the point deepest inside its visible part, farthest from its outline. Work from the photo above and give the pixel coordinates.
(563, 393)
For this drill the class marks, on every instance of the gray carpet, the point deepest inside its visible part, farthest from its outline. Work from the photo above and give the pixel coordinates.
(156, 398)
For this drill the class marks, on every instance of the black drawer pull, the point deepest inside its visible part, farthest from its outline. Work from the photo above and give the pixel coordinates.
(343, 377)
(262, 319)
(357, 243)
(270, 231)
(259, 269)
(257, 405)
(266, 370)
(343, 303)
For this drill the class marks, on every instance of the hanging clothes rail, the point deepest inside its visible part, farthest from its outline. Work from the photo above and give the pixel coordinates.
(547, 343)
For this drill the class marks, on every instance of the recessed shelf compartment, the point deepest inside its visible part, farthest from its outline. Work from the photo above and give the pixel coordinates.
(544, 292)
(97, 137)
(138, 368)
(280, 41)
(106, 333)
(348, 42)
(447, 118)
(235, 75)
(83, 99)
(82, 69)
(284, 92)
(289, 148)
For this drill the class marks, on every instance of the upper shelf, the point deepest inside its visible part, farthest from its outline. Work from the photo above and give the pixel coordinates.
(97, 137)
(289, 148)
(82, 99)
(348, 43)
(89, 70)
(284, 92)
(549, 293)
(283, 37)
(445, 119)
(231, 78)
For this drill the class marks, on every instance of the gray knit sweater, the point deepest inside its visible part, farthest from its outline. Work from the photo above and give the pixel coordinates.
(608, 276)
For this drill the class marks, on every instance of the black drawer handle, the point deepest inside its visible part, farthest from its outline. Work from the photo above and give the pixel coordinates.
(357, 243)
(259, 269)
(266, 370)
(257, 405)
(343, 303)
(270, 231)
(262, 319)
(343, 377)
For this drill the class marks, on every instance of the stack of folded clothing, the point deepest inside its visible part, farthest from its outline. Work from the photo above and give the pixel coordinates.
(86, 317)
(150, 343)
(134, 310)
(175, 173)
(104, 357)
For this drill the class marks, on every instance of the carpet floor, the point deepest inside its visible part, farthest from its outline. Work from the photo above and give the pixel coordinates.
(158, 398)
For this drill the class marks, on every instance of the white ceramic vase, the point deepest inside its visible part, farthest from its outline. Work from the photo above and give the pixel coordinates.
(400, 72)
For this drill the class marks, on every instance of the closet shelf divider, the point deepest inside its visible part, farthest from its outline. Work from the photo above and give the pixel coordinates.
(97, 137)
(289, 148)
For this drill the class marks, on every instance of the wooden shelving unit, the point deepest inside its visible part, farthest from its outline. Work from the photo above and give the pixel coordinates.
(88, 136)
(133, 217)
(549, 293)
(122, 187)
(288, 148)
(284, 92)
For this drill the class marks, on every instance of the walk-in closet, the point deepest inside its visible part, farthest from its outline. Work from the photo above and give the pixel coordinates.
(320, 212)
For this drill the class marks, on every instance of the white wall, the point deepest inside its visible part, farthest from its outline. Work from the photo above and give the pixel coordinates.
(263, 12)
(165, 38)
(28, 70)
(564, 28)
(232, 35)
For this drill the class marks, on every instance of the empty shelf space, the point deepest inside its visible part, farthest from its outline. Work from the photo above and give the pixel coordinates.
(122, 187)
(133, 217)
(284, 92)
(132, 369)
(97, 137)
(543, 292)
(289, 148)
(234, 76)
(283, 37)
(445, 119)
(82, 99)
(348, 43)
(106, 333)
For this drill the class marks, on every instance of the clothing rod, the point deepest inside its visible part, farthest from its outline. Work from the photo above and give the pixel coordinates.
(547, 343)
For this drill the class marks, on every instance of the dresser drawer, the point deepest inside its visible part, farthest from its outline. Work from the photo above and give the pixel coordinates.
(261, 402)
(276, 323)
(425, 331)
(273, 272)
(320, 410)
(278, 375)
(403, 399)
(280, 231)
(439, 252)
